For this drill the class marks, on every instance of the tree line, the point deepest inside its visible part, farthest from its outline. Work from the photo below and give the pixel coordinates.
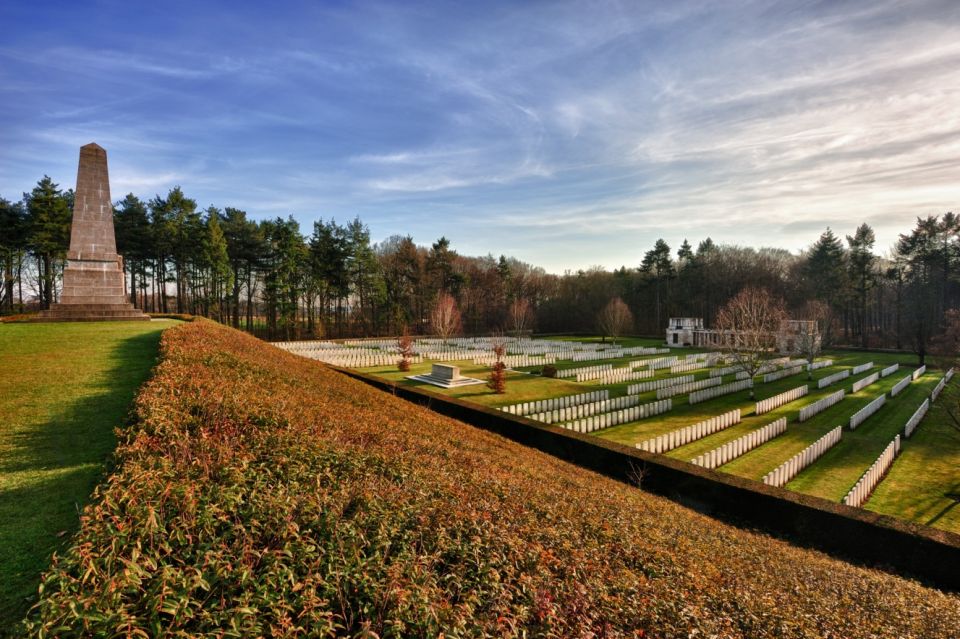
(276, 279)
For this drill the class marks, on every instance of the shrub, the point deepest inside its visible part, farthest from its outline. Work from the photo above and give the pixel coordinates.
(549, 370)
(257, 493)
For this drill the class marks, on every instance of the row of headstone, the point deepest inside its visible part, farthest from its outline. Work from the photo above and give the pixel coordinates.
(585, 410)
(890, 370)
(861, 415)
(448, 355)
(541, 405)
(689, 387)
(683, 436)
(661, 362)
(786, 372)
(786, 471)
(767, 405)
(940, 385)
(616, 353)
(616, 375)
(820, 405)
(645, 387)
(823, 363)
(357, 361)
(514, 361)
(687, 366)
(899, 386)
(916, 418)
(920, 371)
(709, 393)
(866, 381)
(861, 491)
(615, 418)
(743, 375)
(731, 450)
(832, 379)
(725, 370)
(862, 368)
(573, 372)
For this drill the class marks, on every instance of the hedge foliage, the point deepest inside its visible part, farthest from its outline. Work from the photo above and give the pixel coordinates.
(258, 493)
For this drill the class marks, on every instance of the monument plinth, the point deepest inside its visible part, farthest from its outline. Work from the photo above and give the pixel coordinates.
(445, 376)
(94, 286)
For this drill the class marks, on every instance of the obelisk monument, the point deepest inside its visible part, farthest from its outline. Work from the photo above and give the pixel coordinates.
(94, 286)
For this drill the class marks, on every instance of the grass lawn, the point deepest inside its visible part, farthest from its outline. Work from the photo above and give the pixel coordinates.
(64, 387)
(923, 486)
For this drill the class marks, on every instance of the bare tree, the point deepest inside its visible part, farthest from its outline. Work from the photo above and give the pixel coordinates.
(748, 328)
(615, 319)
(810, 337)
(445, 316)
(521, 316)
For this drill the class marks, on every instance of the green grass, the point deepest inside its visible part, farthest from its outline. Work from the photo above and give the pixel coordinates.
(923, 486)
(64, 387)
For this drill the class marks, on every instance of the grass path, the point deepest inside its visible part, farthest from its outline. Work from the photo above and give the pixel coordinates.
(63, 389)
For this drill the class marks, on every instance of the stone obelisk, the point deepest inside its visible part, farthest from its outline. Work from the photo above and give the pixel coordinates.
(94, 287)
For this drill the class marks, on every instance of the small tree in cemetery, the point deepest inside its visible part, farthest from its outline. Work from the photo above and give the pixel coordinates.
(405, 348)
(498, 376)
(748, 327)
(521, 316)
(810, 338)
(615, 319)
(445, 316)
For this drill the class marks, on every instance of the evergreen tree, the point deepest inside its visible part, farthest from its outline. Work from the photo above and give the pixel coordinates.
(49, 212)
(13, 247)
(861, 267)
(131, 224)
(657, 264)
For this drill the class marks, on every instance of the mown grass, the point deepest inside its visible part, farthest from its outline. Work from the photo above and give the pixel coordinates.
(63, 389)
(262, 494)
(923, 485)
(830, 477)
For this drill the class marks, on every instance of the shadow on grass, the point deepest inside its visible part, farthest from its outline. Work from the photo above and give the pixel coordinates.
(956, 500)
(55, 466)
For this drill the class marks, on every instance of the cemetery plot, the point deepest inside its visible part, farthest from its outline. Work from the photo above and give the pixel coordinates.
(865, 485)
(683, 390)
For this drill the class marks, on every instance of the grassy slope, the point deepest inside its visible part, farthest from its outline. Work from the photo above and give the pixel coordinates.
(63, 389)
(831, 477)
(268, 493)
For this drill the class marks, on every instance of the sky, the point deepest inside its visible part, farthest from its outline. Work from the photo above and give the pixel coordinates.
(565, 134)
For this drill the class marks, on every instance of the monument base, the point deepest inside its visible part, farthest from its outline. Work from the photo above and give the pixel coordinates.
(445, 376)
(93, 291)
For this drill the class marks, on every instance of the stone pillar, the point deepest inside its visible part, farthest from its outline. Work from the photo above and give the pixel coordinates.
(94, 286)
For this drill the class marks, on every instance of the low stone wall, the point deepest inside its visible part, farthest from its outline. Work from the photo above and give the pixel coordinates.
(881, 541)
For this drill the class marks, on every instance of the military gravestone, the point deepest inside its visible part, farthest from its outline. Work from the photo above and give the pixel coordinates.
(94, 287)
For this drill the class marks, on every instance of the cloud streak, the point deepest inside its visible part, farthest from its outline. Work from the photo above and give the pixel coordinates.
(570, 134)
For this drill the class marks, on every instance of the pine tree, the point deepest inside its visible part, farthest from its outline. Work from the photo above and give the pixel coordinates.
(49, 213)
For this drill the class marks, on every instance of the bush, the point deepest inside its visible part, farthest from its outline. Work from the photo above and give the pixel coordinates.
(549, 370)
(258, 493)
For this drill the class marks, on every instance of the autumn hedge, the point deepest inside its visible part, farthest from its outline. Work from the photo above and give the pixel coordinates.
(257, 493)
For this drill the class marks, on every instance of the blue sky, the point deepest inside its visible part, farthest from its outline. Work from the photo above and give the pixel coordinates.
(566, 134)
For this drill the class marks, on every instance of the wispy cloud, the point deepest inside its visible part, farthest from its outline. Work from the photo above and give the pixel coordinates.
(567, 133)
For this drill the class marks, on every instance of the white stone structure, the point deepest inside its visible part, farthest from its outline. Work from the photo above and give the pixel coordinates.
(445, 376)
(681, 330)
(690, 331)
